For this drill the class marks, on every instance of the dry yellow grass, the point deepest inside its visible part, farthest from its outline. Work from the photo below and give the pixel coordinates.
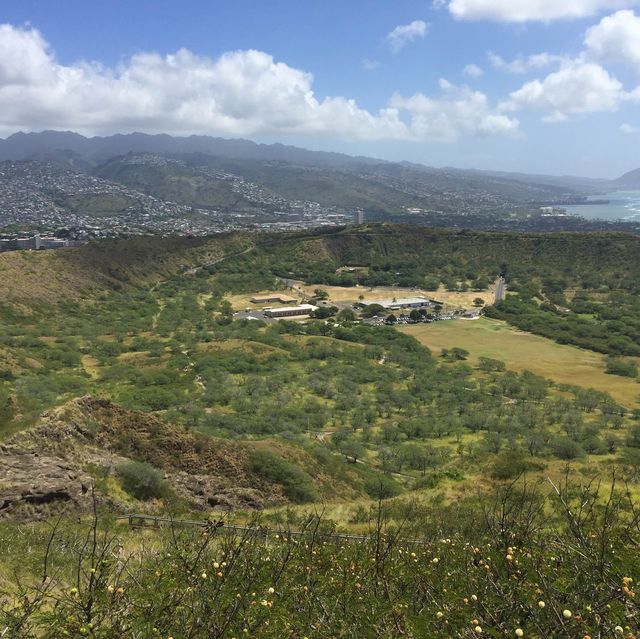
(242, 301)
(91, 365)
(520, 350)
(352, 293)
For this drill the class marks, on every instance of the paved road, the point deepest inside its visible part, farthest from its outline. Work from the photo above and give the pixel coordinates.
(501, 289)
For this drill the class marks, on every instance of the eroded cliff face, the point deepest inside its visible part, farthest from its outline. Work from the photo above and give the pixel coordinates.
(74, 450)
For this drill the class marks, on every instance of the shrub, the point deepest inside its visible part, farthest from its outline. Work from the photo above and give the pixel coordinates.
(633, 437)
(297, 485)
(510, 466)
(624, 368)
(567, 449)
(455, 354)
(142, 481)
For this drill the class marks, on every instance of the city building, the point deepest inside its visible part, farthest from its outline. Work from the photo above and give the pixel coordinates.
(35, 243)
(358, 217)
(291, 311)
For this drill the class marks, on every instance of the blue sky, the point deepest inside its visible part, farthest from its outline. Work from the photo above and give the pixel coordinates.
(543, 86)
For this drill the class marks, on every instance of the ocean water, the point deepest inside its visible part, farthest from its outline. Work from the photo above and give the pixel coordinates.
(623, 205)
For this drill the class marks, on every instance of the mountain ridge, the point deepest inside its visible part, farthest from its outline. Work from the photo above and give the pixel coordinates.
(21, 145)
(630, 178)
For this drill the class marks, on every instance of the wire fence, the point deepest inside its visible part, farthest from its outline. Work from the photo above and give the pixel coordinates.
(156, 522)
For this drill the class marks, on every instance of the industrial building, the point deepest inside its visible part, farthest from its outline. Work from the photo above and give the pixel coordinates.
(274, 297)
(291, 311)
(403, 302)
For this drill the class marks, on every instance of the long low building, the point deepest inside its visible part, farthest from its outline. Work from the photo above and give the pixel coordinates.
(274, 297)
(291, 311)
(403, 302)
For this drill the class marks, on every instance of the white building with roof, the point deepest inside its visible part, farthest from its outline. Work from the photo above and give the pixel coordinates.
(402, 302)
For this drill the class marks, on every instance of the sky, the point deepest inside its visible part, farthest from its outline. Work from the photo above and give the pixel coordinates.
(539, 86)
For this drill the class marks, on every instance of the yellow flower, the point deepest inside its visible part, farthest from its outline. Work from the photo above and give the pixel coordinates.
(271, 590)
(204, 575)
(478, 629)
(519, 632)
(541, 604)
(566, 613)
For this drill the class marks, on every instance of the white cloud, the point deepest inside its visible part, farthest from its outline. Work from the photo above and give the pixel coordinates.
(240, 93)
(578, 87)
(473, 71)
(629, 128)
(460, 111)
(524, 64)
(405, 33)
(615, 39)
(532, 10)
(370, 65)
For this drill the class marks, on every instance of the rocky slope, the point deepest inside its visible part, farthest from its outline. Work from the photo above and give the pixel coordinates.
(81, 445)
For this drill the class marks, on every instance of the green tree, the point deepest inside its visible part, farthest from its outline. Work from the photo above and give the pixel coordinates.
(346, 315)
(320, 294)
(488, 365)
(352, 449)
(382, 487)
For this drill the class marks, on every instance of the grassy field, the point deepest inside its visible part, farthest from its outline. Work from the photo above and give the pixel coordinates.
(520, 350)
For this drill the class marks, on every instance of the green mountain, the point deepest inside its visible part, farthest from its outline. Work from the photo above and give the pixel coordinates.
(233, 184)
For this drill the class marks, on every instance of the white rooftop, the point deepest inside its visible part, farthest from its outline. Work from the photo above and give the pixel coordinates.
(399, 301)
(300, 307)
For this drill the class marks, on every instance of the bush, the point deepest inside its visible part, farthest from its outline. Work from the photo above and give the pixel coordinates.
(455, 354)
(567, 449)
(297, 484)
(624, 368)
(142, 481)
(510, 466)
